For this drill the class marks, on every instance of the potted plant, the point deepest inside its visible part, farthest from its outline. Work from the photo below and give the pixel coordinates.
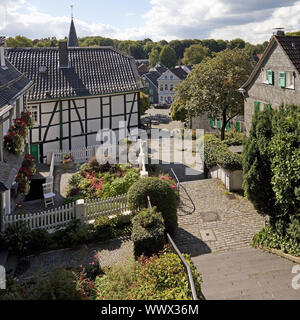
(68, 161)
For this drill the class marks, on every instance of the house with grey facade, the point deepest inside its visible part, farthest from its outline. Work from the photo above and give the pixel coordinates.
(13, 87)
(276, 78)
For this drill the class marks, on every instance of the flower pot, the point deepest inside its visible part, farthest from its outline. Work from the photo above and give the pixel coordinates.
(67, 165)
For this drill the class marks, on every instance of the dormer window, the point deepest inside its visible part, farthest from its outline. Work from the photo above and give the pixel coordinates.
(42, 69)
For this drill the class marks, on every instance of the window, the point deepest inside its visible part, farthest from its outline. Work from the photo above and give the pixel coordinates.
(166, 87)
(161, 88)
(211, 122)
(146, 84)
(256, 106)
(151, 91)
(171, 77)
(267, 106)
(166, 77)
(290, 80)
(171, 87)
(270, 77)
(282, 79)
(34, 113)
(219, 124)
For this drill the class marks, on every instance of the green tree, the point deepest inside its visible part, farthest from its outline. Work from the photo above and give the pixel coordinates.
(212, 86)
(257, 164)
(144, 102)
(18, 42)
(154, 56)
(178, 111)
(168, 57)
(195, 54)
(236, 43)
(178, 47)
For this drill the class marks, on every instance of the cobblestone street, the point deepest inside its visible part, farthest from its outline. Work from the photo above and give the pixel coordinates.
(220, 221)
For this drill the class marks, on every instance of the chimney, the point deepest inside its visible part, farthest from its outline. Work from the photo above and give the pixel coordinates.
(63, 55)
(279, 32)
(2, 57)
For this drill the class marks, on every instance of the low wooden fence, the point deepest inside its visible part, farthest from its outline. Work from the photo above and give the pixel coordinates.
(84, 210)
(79, 155)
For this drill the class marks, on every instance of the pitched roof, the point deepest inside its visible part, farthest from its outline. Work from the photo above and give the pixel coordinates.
(179, 72)
(12, 84)
(290, 46)
(93, 71)
(142, 68)
(153, 76)
(72, 40)
(159, 68)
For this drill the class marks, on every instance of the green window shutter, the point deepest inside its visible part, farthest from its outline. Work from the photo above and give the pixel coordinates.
(238, 127)
(227, 126)
(256, 106)
(282, 79)
(270, 77)
(267, 107)
(219, 124)
(211, 123)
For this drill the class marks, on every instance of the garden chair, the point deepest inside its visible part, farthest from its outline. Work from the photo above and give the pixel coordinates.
(48, 194)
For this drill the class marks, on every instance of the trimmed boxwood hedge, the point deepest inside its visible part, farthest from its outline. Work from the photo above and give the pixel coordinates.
(162, 196)
(148, 232)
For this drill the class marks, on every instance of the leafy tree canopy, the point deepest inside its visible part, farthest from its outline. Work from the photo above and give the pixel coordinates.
(195, 54)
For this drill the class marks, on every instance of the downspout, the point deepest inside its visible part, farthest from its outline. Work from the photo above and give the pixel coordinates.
(60, 125)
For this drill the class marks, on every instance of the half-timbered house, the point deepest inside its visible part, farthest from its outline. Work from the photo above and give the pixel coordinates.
(78, 91)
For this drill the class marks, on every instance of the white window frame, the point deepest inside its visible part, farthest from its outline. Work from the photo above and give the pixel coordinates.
(34, 109)
(292, 86)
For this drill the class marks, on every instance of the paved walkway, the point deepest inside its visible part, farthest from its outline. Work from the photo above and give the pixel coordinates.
(217, 231)
(111, 252)
(246, 274)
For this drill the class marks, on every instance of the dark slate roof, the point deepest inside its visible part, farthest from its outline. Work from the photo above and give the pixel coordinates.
(153, 76)
(12, 84)
(142, 69)
(72, 40)
(179, 72)
(160, 68)
(93, 71)
(290, 46)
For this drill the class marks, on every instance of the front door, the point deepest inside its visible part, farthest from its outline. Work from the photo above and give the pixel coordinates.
(34, 151)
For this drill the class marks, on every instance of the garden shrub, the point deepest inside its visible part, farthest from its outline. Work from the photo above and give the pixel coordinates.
(40, 240)
(163, 277)
(103, 227)
(148, 232)
(121, 185)
(162, 196)
(270, 237)
(233, 138)
(17, 238)
(115, 283)
(216, 152)
(73, 234)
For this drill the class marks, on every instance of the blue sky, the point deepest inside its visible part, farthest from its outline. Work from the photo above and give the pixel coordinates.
(119, 13)
(251, 20)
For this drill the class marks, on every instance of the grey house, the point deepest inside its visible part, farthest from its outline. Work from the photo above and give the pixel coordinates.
(276, 78)
(151, 85)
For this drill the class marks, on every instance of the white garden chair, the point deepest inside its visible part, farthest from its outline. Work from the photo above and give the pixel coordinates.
(48, 194)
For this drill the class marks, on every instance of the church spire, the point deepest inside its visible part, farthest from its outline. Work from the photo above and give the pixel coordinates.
(72, 40)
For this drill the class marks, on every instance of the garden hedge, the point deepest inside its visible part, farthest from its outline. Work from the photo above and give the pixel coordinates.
(162, 196)
(148, 232)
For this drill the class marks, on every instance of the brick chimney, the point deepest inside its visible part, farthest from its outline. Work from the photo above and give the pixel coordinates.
(2, 46)
(63, 55)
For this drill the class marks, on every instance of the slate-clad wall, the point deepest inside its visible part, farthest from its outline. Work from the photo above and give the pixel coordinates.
(276, 61)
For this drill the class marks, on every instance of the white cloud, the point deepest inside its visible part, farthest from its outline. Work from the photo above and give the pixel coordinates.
(167, 19)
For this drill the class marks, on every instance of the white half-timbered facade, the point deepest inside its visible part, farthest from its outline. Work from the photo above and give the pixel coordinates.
(78, 91)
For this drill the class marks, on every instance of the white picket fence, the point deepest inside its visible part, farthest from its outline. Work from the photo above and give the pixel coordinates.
(79, 155)
(87, 211)
(111, 206)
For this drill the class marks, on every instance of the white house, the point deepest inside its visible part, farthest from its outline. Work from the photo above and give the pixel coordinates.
(78, 91)
(167, 83)
(13, 87)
